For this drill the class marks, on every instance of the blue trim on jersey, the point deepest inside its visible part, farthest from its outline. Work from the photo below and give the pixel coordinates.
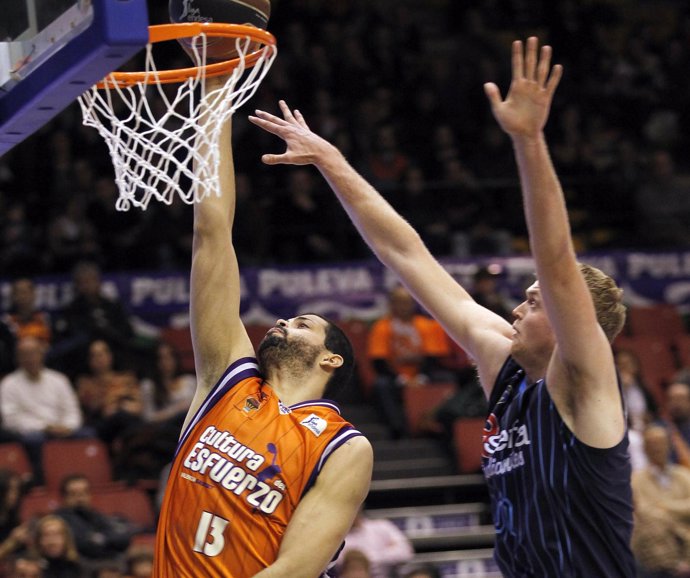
(318, 402)
(345, 434)
(239, 370)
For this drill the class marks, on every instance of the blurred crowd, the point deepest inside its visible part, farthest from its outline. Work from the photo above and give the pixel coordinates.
(398, 87)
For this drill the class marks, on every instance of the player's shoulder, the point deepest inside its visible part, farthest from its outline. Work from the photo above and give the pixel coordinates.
(357, 449)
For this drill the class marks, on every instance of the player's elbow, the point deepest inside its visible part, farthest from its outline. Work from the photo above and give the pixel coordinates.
(210, 224)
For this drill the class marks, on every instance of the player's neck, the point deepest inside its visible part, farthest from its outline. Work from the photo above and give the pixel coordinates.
(293, 388)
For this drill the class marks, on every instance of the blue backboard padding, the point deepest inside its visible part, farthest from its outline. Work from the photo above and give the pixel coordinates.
(119, 30)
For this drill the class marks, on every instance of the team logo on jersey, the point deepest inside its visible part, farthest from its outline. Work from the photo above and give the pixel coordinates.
(273, 470)
(315, 424)
(503, 447)
(251, 404)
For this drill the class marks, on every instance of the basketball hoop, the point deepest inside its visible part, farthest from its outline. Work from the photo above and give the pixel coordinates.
(154, 137)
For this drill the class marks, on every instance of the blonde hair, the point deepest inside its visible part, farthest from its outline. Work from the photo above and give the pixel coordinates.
(70, 552)
(607, 298)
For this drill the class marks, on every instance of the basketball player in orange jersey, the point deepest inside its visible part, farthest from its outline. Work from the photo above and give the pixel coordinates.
(555, 452)
(267, 477)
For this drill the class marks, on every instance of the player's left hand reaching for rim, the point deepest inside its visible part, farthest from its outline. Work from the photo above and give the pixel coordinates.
(525, 109)
(303, 146)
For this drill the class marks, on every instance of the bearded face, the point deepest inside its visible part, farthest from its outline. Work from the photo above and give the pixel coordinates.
(278, 350)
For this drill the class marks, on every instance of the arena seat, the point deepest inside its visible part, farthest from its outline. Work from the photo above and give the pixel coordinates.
(81, 456)
(181, 340)
(682, 345)
(357, 332)
(468, 441)
(421, 401)
(132, 503)
(37, 503)
(13, 457)
(661, 321)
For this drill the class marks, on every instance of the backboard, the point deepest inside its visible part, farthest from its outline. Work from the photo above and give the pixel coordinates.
(51, 51)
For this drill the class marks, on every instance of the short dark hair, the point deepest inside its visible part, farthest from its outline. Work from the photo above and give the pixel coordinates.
(67, 480)
(337, 342)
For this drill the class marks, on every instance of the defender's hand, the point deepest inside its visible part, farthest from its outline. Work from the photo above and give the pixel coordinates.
(303, 146)
(526, 108)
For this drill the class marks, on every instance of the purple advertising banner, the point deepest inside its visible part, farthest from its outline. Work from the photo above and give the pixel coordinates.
(355, 290)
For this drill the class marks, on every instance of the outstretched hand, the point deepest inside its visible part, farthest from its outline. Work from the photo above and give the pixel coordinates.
(303, 146)
(525, 109)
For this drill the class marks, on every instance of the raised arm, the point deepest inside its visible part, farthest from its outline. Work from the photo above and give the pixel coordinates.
(325, 514)
(217, 331)
(483, 334)
(581, 376)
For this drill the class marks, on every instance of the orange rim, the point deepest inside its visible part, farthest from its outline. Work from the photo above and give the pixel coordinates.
(166, 32)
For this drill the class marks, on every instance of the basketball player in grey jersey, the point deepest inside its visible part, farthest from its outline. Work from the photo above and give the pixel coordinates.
(555, 445)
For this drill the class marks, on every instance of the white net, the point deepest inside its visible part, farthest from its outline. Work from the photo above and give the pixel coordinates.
(163, 143)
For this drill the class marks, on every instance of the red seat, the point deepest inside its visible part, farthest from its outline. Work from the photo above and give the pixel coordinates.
(38, 503)
(181, 340)
(257, 333)
(657, 361)
(88, 457)
(133, 504)
(419, 402)
(146, 541)
(458, 358)
(468, 434)
(13, 457)
(357, 332)
(662, 321)
(682, 345)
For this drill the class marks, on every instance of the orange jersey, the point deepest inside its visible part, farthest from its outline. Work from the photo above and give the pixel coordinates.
(397, 342)
(241, 467)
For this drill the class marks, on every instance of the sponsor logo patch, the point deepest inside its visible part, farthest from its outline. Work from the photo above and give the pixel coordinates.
(315, 424)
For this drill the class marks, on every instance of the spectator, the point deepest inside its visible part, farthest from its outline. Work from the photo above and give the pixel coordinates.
(405, 350)
(642, 408)
(71, 237)
(485, 292)
(661, 537)
(381, 543)
(678, 408)
(387, 164)
(90, 315)
(118, 233)
(27, 565)
(108, 570)
(38, 403)
(147, 447)
(14, 535)
(305, 224)
(663, 204)
(24, 319)
(18, 239)
(53, 541)
(110, 399)
(168, 394)
(97, 536)
(140, 564)
(467, 401)
(355, 564)
(10, 497)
